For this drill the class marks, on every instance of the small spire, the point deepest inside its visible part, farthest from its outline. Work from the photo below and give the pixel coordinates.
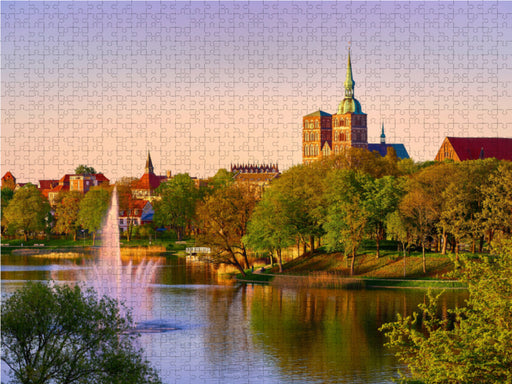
(382, 135)
(149, 165)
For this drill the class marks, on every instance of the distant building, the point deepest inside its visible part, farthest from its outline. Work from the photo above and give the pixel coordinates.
(45, 186)
(324, 134)
(145, 187)
(260, 175)
(9, 181)
(473, 148)
(141, 213)
(80, 183)
(382, 147)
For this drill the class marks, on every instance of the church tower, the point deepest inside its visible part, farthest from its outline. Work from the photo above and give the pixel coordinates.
(349, 129)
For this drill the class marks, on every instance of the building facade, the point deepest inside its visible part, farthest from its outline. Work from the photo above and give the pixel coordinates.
(473, 148)
(324, 134)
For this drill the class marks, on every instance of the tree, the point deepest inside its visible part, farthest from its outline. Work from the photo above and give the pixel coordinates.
(419, 211)
(497, 200)
(476, 347)
(397, 227)
(85, 170)
(347, 218)
(61, 334)
(127, 201)
(93, 208)
(177, 205)
(380, 199)
(270, 228)
(222, 179)
(7, 195)
(27, 211)
(66, 213)
(222, 223)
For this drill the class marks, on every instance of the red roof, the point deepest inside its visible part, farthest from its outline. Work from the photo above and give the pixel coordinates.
(60, 187)
(470, 148)
(48, 184)
(149, 181)
(8, 176)
(101, 177)
(136, 208)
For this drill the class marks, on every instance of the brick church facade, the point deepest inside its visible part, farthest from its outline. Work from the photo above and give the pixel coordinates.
(324, 134)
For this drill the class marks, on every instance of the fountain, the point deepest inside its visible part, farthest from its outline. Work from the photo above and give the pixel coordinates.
(127, 284)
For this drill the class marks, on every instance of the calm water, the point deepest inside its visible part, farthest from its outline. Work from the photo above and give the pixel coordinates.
(250, 333)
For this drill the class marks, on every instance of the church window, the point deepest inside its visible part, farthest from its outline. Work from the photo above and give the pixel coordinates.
(316, 124)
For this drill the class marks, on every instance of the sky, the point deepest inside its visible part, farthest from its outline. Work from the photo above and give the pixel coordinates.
(203, 85)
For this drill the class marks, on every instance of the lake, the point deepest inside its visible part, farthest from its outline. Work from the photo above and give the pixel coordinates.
(214, 331)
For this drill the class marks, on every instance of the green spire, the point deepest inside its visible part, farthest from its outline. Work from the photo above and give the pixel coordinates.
(349, 80)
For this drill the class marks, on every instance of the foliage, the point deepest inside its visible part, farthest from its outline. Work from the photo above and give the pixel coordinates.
(477, 347)
(27, 211)
(66, 213)
(270, 228)
(222, 223)
(93, 208)
(348, 216)
(222, 179)
(7, 195)
(85, 170)
(497, 203)
(177, 206)
(62, 334)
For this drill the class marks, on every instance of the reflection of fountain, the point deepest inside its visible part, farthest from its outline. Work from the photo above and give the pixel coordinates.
(127, 284)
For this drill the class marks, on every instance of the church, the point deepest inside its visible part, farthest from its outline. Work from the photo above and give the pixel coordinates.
(324, 134)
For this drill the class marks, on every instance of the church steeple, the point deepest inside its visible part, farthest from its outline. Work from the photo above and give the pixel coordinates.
(382, 136)
(149, 165)
(349, 80)
(349, 104)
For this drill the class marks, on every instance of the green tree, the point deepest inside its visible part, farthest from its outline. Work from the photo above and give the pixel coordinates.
(381, 198)
(66, 213)
(65, 335)
(347, 218)
(85, 170)
(7, 195)
(477, 347)
(222, 179)
(301, 190)
(419, 211)
(398, 229)
(93, 208)
(497, 201)
(27, 211)
(177, 204)
(222, 223)
(270, 228)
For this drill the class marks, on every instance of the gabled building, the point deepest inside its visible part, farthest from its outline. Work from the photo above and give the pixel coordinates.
(141, 213)
(382, 147)
(145, 187)
(9, 181)
(45, 186)
(473, 148)
(80, 183)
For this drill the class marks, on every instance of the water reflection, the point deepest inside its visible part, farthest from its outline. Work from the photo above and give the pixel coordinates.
(251, 334)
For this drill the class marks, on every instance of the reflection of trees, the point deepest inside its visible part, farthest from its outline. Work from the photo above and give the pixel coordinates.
(325, 334)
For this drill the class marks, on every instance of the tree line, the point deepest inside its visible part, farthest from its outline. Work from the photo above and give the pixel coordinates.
(337, 203)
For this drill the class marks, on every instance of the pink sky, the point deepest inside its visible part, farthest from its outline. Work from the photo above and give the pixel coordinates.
(206, 84)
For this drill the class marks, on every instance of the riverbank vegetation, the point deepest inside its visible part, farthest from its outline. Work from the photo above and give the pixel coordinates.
(471, 344)
(338, 204)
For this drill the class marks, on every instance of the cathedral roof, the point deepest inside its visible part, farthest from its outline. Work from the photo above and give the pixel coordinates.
(400, 150)
(319, 113)
(349, 104)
